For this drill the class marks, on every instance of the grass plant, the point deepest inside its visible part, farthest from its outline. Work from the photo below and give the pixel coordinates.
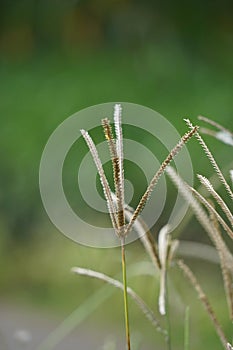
(214, 215)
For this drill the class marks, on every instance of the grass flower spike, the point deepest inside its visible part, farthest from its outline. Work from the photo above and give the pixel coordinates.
(119, 212)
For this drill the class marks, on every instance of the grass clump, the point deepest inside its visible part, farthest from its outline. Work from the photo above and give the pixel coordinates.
(162, 251)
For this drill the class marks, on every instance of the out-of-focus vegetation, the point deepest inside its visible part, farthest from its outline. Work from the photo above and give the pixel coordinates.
(58, 57)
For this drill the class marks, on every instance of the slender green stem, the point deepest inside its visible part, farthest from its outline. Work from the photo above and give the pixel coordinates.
(186, 329)
(168, 317)
(126, 307)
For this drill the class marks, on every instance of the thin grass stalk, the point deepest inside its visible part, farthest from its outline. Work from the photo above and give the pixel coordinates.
(118, 169)
(212, 160)
(202, 296)
(169, 342)
(94, 301)
(158, 174)
(160, 258)
(126, 306)
(186, 329)
(118, 221)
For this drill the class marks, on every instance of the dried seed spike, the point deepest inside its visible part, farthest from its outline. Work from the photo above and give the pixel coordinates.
(202, 296)
(120, 180)
(211, 158)
(103, 179)
(205, 182)
(118, 130)
(201, 215)
(185, 138)
(116, 171)
(212, 209)
(226, 273)
(108, 131)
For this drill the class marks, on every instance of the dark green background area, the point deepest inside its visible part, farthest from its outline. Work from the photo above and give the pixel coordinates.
(37, 95)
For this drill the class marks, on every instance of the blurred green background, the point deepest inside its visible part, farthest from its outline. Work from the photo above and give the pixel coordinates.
(58, 57)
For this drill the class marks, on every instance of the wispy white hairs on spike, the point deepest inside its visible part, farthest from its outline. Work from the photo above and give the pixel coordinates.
(163, 242)
(229, 347)
(103, 179)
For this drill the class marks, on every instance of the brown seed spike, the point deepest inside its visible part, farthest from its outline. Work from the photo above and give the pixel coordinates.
(107, 129)
(185, 138)
(116, 173)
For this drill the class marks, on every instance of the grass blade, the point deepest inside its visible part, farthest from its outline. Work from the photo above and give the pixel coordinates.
(186, 329)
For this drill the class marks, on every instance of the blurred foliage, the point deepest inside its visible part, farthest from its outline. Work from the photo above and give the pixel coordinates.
(39, 275)
(38, 94)
(29, 25)
(60, 56)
